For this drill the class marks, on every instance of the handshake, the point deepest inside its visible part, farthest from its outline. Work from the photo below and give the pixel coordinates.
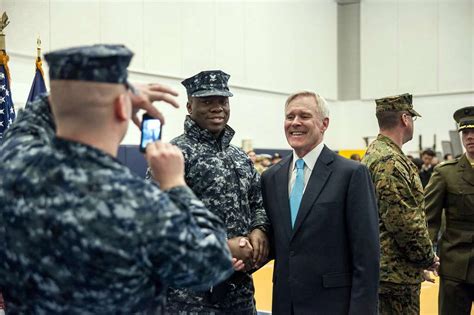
(431, 269)
(249, 252)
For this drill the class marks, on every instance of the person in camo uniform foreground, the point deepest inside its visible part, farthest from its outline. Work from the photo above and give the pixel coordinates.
(224, 178)
(406, 249)
(79, 232)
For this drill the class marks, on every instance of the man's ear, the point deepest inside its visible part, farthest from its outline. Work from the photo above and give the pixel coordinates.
(122, 107)
(325, 124)
(404, 119)
(189, 107)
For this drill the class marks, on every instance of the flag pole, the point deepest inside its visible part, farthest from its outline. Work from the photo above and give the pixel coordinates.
(39, 62)
(3, 51)
(38, 47)
(3, 23)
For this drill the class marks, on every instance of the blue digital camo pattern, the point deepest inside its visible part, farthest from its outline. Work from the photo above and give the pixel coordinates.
(223, 177)
(406, 248)
(98, 63)
(81, 234)
(208, 83)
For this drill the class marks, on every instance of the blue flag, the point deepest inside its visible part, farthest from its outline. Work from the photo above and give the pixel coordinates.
(7, 111)
(38, 86)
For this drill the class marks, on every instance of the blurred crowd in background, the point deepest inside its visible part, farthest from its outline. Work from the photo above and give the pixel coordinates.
(425, 163)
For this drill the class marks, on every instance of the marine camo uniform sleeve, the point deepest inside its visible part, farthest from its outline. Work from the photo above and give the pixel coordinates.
(186, 242)
(402, 213)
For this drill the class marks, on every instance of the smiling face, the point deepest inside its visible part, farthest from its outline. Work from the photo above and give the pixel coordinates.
(211, 113)
(304, 126)
(468, 141)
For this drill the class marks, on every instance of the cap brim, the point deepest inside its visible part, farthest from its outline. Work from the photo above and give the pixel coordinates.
(414, 112)
(211, 93)
(465, 127)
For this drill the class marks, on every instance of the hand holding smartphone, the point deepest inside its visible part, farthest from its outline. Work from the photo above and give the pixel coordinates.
(151, 131)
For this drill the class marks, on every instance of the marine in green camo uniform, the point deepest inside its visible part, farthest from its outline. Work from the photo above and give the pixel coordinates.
(406, 249)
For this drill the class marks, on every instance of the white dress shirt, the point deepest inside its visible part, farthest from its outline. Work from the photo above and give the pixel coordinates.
(309, 163)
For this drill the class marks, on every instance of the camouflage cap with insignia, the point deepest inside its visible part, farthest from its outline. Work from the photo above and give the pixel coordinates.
(97, 63)
(397, 103)
(208, 83)
(464, 117)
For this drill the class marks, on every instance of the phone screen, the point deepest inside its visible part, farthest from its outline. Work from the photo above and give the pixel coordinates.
(151, 131)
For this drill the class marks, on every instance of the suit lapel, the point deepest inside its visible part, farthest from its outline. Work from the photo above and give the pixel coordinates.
(467, 170)
(283, 199)
(317, 181)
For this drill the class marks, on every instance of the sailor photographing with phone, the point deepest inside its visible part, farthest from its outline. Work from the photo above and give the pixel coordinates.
(79, 232)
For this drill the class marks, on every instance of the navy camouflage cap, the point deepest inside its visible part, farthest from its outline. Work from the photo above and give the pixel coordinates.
(397, 103)
(208, 83)
(464, 117)
(97, 63)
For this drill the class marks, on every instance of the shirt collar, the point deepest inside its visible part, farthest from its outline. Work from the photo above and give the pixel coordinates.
(310, 158)
(192, 129)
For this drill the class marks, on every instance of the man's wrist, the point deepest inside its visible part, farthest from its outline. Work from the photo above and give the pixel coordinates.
(172, 184)
(261, 227)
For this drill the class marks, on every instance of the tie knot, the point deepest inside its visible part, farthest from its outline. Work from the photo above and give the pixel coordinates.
(299, 164)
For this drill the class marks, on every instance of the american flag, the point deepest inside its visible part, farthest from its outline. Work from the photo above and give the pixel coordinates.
(7, 111)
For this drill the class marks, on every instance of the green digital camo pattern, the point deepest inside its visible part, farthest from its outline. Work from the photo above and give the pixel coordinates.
(406, 248)
(396, 299)
(396, 103)
(81, 234)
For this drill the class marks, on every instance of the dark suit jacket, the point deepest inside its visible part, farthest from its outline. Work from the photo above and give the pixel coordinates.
(329, 262)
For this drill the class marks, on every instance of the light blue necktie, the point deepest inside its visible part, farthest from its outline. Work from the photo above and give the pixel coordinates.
(297, 191)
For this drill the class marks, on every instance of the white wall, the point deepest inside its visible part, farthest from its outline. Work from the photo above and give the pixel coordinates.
(270, 48)
(352, 120)
(420, 46)
(273, 45)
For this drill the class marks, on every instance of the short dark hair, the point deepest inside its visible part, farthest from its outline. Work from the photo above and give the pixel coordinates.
(428, 152)
(418, 162)
(388, 119)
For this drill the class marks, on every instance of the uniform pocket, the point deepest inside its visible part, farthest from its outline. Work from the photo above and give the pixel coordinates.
(466, 203)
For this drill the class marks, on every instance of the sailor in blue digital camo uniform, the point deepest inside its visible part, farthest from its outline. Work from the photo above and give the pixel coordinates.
(81, 234)
(223, 177)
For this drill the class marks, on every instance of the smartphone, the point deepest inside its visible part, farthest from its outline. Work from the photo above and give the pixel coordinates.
(151, 131)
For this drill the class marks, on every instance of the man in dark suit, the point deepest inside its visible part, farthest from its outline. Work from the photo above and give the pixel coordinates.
(426, 170)
(324, 220)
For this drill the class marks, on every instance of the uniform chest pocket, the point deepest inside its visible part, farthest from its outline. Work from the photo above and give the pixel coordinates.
(466, 202)
(461, 199)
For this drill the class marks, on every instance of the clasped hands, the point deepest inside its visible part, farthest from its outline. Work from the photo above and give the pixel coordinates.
(431, 269)
(249, 252)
